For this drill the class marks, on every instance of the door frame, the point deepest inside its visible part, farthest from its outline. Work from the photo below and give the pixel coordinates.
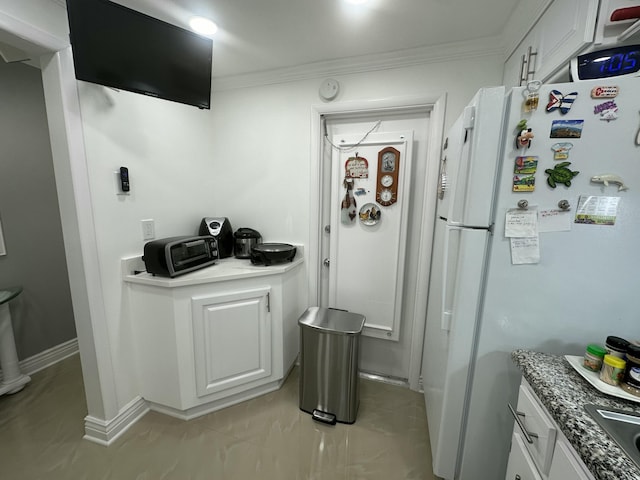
(435, 105)
(102, 424)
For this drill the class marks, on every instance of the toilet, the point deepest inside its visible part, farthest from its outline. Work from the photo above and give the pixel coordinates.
(12, 379)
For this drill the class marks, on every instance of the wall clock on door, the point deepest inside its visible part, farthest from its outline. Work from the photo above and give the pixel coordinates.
(387, 182)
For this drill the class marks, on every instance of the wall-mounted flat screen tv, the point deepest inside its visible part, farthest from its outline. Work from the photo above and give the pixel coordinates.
(121, 48)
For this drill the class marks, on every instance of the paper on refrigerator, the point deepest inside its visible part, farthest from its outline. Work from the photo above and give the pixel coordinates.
(521, 227)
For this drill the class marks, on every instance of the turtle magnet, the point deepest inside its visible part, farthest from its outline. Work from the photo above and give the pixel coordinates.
(558, 101)
(560, 174)
(561, 150)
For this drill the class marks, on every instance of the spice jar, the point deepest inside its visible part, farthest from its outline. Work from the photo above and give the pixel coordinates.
(631, 378)
(612, 370)
(593, 357)
(616, 346)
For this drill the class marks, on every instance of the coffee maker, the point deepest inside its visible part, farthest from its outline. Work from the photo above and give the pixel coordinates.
(220, 228)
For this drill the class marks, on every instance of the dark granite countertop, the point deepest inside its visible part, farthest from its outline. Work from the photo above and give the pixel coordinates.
(564, 393)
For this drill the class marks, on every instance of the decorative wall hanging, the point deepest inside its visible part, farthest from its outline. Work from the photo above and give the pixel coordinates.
(356, 167)
(348, 205)
(387, 183)
(558, 101)
(370, 214)
(607, 178)
(560, 174)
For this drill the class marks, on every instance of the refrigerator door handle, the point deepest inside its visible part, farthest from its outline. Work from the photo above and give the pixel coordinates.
(447, 303)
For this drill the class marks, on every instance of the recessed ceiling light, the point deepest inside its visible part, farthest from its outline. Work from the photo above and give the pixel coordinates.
(203, 26)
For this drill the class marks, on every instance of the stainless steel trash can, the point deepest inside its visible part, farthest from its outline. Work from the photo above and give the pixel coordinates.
(329, 353)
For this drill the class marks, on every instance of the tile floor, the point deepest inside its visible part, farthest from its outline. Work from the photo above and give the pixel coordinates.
(268, 437)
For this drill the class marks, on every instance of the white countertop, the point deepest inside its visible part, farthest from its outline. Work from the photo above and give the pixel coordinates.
(224, 270)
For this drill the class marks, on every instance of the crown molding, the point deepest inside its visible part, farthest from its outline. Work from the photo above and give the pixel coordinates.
(487, 46)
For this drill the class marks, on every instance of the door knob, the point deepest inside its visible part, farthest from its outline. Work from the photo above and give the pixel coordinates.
(326, 262)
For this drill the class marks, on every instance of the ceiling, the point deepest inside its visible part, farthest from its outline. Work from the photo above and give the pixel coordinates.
(263, 35)
(259, 35)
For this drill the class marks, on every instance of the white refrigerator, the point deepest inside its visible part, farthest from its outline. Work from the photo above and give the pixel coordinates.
(542, 277)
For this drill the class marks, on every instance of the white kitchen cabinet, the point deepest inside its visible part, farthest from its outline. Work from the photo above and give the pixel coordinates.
(215, 337)
(565, 464)
(564, 29)
(520, 466)
(231, 339)
(539, 450)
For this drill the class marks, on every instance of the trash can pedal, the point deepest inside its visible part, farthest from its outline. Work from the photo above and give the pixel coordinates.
(324, 417)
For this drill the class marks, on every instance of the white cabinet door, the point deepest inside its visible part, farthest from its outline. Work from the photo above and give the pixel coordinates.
(520, 466)
(565, 464)
(566, 27)
(522, 61)
(231, 340)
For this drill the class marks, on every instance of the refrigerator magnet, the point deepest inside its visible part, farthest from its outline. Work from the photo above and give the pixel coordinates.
(558, 101)
(560, 174)
(608, 91)
(566, 128)
(526, 164)
(561, 150)
(607, 111)
(524, 183)
(525, 135)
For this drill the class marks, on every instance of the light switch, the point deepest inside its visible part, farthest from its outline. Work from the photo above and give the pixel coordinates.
(148, 229)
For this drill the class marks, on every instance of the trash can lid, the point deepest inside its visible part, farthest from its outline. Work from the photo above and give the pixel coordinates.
(331, 320)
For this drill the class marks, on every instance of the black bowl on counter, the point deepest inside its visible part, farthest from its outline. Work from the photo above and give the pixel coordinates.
(272, 253)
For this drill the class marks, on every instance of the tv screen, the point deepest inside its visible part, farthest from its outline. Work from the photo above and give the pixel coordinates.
(121, 48)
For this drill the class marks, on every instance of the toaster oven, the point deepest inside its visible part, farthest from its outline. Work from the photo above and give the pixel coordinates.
(175, 256)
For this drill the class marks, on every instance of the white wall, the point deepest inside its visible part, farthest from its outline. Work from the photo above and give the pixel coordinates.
(247, 159)
(42, 316)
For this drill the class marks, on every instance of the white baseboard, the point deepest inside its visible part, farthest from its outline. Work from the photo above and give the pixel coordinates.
(49, 357)
(105, 432)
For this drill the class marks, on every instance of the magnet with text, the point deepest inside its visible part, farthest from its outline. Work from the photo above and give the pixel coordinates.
(525, 135)
(561, 150)
(356, 167)
(524, 170)
(609, 91)
(531, 96)
(524, 183)
(566, 128)
(526, 165)
(560, 174)
(558, 101)
(610, 178)
(607, 111)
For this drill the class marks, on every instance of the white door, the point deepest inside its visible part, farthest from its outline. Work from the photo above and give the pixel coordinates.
(369, 209)
(380, 354)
